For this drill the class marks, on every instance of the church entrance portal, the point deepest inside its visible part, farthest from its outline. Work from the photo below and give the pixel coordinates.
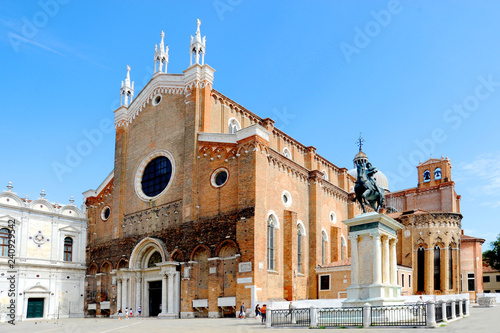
(155, 291)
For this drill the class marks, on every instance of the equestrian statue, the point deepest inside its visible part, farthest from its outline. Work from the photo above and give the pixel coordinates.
(366, 189)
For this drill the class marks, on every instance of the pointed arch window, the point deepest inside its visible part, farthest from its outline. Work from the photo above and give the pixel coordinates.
(325, 174)
(421, 269)
(287, 153)
(437, 268)
(234, 125)
(450, 266)
(299, 249)
(270, 243)
(324, 239)
(4, 242)
(68, 249)
(343, 248)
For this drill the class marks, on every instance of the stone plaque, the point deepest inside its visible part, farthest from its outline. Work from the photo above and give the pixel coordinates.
(186, 273)
(261, 265)
(105, 305)
(245, 267)
(213, 270)
(245, 280)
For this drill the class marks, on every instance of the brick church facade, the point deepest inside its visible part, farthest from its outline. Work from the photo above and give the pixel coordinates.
(209, 205)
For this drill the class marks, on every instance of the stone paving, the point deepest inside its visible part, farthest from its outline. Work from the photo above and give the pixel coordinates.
(481, 320)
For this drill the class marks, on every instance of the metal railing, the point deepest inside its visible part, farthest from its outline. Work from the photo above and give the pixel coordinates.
(330, 317)
(439, 313)
(399, 315)
(292, 317)
(448, 310)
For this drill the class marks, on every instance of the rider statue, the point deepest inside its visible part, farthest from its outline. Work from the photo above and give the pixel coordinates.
(366, 189)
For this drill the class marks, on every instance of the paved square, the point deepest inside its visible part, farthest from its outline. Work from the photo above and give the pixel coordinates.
(481, 320)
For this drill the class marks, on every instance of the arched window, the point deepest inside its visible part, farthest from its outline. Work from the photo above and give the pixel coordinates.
(299, 249)
(437, 268)
(234, 126)
(68, 249)
(421, 269)
(154, 259)
(287, 153)
(270, 243)
(324, 239)
(427, 176)
(437, 174)
(4, 242)
(343, 248)
(450, 266)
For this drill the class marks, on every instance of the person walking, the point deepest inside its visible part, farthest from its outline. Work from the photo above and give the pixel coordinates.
(131, 313)
(263, 313)
(120, 314)
(257, 311)
(126, 312)
(139, 310)
(289, 309)
(242, 311)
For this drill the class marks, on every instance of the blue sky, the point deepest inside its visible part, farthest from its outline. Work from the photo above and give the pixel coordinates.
(418, 79)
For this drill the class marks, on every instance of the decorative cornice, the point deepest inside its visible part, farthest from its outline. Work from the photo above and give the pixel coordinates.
(420, 190)
(334, 190)
(433, 219)
(287, 165)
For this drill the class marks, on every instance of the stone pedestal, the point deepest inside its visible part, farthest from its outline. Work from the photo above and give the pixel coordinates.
(373, 260)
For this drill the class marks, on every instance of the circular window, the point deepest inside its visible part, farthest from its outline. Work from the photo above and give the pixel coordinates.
(156, 100)
(105, 213)
(287, 198)
(154, 175)
(219, 177)
(333, 217)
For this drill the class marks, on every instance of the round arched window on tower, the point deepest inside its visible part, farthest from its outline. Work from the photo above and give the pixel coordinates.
(219, 177)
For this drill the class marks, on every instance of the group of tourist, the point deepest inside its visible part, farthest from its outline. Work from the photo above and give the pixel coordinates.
(128, 313)
(259, 312)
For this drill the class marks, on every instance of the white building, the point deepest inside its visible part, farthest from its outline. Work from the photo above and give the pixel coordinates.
(47, 241)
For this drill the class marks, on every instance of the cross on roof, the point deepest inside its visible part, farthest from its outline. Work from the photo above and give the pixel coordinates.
(360, 141)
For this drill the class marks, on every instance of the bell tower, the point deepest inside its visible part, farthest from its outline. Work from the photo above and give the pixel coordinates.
(434, 172)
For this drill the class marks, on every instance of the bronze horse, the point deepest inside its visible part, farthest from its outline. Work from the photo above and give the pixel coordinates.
(367, 191)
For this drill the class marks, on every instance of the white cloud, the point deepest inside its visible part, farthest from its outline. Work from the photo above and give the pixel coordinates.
(482, 176)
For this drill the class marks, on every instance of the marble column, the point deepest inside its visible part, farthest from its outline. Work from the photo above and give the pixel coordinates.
(170, 294)
(118, 294)
(163, 294)
(137, 293)
(125, 293)
(377, 259)
(354, 260)
(385, 261)
(394, 262)
(177, 295)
